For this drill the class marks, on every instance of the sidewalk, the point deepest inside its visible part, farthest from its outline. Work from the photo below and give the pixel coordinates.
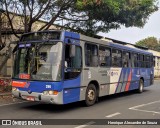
(156, 78)
(6, 98)
(5, 94)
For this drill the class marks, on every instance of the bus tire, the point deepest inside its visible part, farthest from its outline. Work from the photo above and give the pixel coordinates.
(141, 86)
(91, 95)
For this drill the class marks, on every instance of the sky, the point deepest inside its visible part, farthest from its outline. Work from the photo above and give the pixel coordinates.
(134, 34)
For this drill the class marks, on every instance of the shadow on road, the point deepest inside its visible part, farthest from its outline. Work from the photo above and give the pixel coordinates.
(121, 95)
(51, 108)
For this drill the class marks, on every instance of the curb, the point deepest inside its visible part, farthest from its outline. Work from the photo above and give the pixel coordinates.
(156, 78)
(5, 94)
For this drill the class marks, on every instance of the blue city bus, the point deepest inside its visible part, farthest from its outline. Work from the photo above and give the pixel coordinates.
(62, 67)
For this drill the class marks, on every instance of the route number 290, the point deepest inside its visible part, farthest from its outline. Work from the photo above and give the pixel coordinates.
(48, 86)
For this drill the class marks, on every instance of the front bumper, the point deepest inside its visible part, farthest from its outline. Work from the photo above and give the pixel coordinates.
(53, 99)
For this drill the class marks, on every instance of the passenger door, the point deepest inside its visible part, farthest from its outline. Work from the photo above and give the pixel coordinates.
(72, 71)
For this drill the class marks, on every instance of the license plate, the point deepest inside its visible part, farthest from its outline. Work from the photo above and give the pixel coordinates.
(31, 98)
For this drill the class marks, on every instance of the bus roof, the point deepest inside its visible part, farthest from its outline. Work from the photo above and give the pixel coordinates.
(98, 41)
(112, 44)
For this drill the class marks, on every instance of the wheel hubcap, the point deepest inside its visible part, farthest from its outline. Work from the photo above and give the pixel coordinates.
(91, 95)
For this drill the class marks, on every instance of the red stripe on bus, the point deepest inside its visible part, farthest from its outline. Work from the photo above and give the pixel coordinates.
(129, 81)
(18, 84)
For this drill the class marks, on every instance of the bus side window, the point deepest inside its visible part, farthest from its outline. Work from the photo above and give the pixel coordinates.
(147, 61)
(154, 61)
(91, 55)
(141, 61)
(116, 58)
(104, 56)
(151, 62)
(126, 59)
(134, 60)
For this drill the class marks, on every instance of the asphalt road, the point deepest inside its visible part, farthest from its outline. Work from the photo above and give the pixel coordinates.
(121, 106)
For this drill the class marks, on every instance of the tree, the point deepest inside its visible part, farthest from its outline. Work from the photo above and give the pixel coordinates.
(85, 16)
(111, 14)
(150, 42)
(1, 24)
(1, 44)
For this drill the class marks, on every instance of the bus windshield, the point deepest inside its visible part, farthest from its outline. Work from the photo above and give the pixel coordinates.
(39, 61)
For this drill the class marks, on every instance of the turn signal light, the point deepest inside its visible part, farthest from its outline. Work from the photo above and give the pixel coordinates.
(55, 92)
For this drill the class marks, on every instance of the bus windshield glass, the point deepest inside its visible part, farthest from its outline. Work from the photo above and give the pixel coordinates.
(39, 61)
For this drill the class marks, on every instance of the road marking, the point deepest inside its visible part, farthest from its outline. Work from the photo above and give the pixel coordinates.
(13, 103)
(115, 114)
(85, 125)
(142, 105)
(146, 111)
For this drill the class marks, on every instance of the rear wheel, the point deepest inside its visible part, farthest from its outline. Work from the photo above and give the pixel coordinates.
(91, 95)
(141, 86)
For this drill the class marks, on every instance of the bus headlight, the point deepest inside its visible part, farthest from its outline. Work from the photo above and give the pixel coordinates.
(15, 89)
(45, 93)
(50, 92)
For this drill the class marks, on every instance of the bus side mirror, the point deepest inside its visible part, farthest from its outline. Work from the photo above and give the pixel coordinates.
(72, 51)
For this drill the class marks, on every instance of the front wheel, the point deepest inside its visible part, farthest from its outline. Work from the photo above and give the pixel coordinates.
(91, 95)
(141, 86)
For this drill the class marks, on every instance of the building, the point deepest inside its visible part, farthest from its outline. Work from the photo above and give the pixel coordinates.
(7, 36)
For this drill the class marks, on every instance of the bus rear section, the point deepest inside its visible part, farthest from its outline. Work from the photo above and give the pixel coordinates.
(118, 69)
